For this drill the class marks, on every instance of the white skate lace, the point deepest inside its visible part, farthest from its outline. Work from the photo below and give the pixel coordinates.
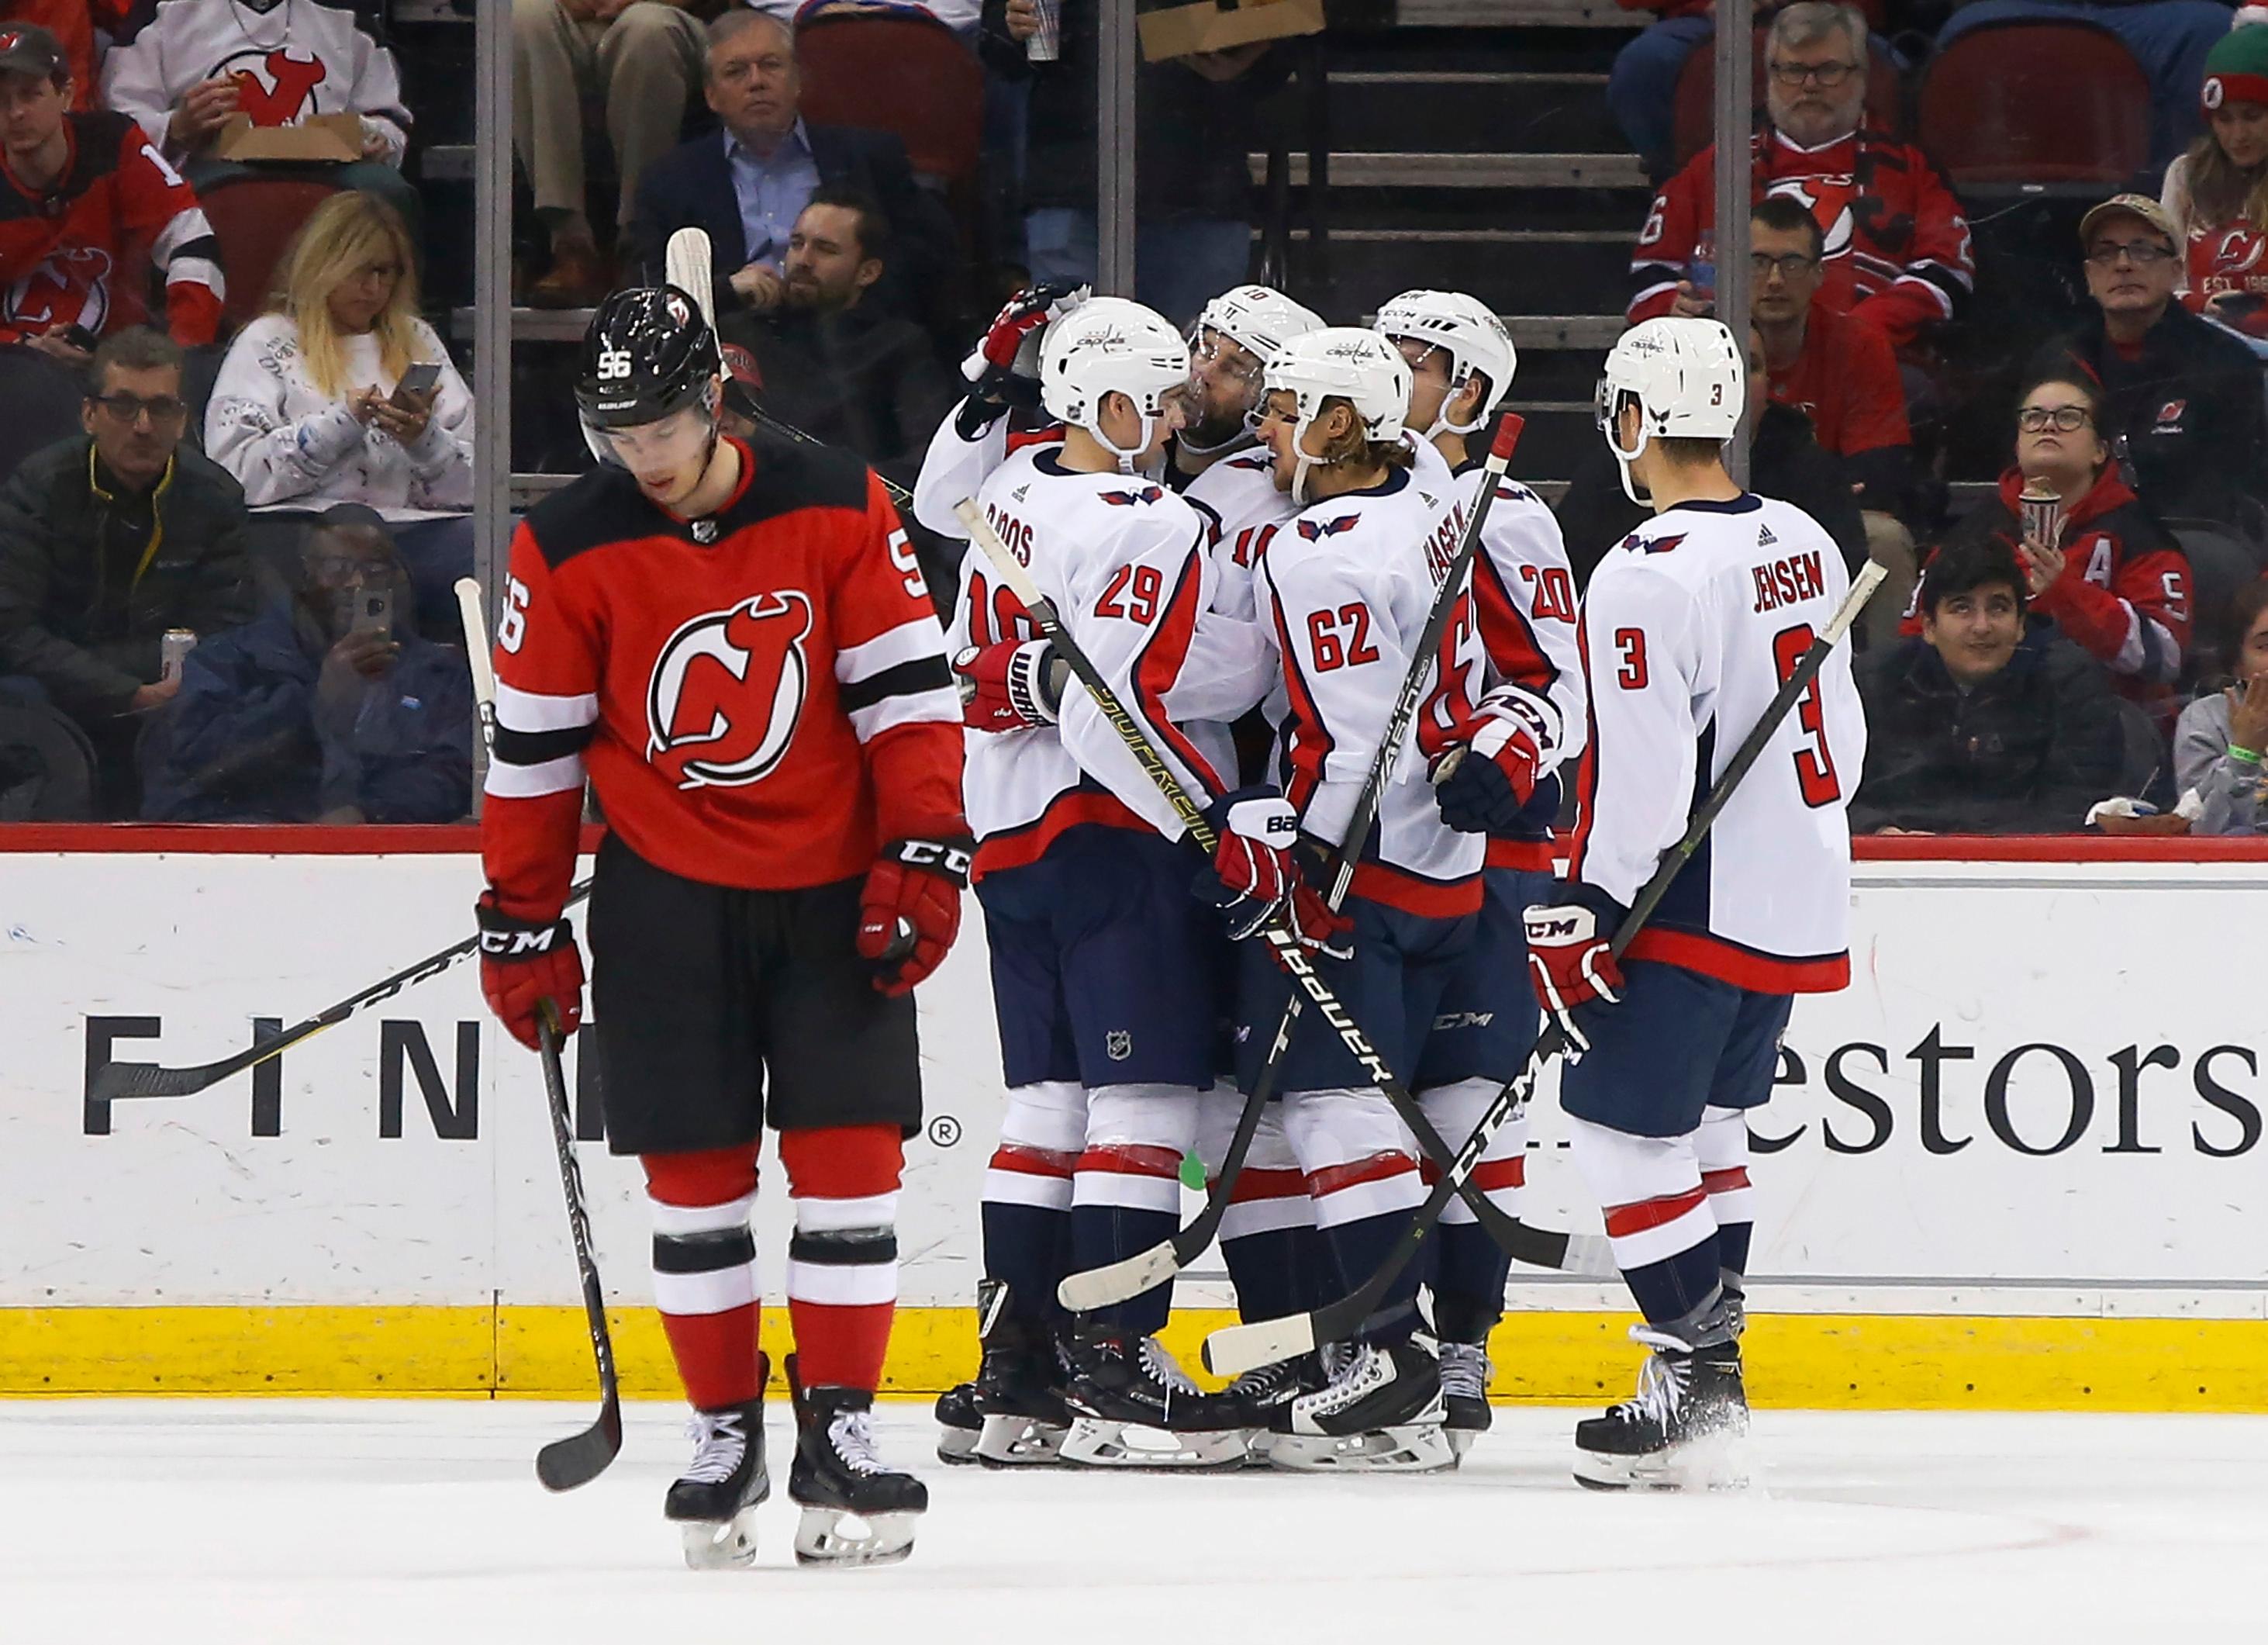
(1161, 1367)
(720, 1442)
(1661, 1380)
(1266, 1382)
(851, 1433)
(1464, 1370)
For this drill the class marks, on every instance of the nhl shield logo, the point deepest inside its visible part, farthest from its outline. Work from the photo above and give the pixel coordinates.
(1118, 1045)
(727, 690)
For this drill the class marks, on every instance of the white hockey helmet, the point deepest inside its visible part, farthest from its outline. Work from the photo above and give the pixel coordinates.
(1108, 344)
(1688, 377)
(1259, 318)
(1466, 329)
(1349, 363)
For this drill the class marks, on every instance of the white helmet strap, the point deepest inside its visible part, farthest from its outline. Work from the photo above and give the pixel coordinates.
(1624, 459)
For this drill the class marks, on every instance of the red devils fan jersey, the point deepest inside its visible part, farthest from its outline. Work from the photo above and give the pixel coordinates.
(1898, 247)
(760, 696)
(80, 254)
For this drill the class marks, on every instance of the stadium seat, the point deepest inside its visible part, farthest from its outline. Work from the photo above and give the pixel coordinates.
(904, 74)
(2037, 106)
(255, 220)
(2220, 562)
(1697, 90)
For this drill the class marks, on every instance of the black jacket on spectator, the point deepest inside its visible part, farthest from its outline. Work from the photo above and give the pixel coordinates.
(2026, 751)
(691, 187)
(1785, 463)
(2190, 408)
(79, 612)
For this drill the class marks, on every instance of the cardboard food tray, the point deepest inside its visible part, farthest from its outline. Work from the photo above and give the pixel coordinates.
(320, 137)
(1181, 30)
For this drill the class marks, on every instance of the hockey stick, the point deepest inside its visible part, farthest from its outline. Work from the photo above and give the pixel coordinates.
(581, 1457)
(1236, 1349)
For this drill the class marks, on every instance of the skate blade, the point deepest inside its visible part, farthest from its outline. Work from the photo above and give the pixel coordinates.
(836, 1537)
(1461, 1440)
(958, 1445)
(1713, 1462)
(714, 1545)
(1011, 1441)
(1098, 1443)
(1413, 1448)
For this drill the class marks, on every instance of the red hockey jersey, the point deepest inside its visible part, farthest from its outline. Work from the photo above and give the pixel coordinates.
(80, 252)
(1898, 251)
(761, 696)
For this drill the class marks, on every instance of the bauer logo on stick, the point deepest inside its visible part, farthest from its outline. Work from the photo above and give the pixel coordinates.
(726, 692)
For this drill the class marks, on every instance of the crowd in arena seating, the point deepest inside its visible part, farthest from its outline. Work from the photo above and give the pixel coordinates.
(285, 472)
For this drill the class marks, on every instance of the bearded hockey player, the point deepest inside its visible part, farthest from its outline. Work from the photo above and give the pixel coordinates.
(1504, 785)
(734, 639)
(1687, 631)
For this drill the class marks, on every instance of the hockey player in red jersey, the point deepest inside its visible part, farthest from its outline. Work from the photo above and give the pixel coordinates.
(736, 639)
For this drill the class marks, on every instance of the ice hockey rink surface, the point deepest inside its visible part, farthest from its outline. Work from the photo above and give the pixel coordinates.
(420, 1523)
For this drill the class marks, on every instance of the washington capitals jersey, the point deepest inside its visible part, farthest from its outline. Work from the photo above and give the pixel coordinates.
(80, 255)
(1242, 507)
(1126, 564)
(1688, 629)
(759, 697)
(1343, 593)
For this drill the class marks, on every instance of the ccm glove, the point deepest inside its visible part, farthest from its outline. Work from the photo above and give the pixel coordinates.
(1010, 685)
(1485, 782)
(524, 962)
(910, 912)
(1570, 962)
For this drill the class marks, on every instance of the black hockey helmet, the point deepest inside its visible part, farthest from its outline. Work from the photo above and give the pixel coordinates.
(648, 353)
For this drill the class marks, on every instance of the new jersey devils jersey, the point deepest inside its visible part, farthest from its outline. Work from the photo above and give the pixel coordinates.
(1688, 629)
(80, 255)
(761, 696)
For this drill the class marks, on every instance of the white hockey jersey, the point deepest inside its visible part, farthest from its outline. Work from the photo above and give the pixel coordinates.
(1242, 508)
(1343, 593)
(1525, 594)
(1688, 629)
(1125, 562)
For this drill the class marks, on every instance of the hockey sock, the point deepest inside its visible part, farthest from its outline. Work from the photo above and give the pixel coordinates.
(1657, 1215)
(1364, 1180)
(704, 1270)
(1027, 1206)
(1127, 1196)
(1722, 1146)
(843, 1259)
(1468, 1269)
(1268, 1241)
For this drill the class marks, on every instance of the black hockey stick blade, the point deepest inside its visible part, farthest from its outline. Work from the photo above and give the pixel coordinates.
(581, 1457)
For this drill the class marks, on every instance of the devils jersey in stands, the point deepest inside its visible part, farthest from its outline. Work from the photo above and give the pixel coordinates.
(1898, 247)
(80, 254)
(760, 695)
(1688, 629)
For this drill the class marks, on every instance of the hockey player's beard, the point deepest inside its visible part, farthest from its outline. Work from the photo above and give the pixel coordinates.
(1214, 434)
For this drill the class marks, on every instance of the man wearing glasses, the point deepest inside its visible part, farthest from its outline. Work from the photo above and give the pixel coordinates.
(108, 540)
(1897, 250)
(2184, 393)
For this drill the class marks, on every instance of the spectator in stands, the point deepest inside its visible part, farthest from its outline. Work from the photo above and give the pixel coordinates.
(188, 70)
(1642, 90)
(111, 538)
(2219, 744)
(748, 185)
(826, 360)
(1784, 462)
(327, 707)
(1841, 373)
(2112, 580)
(1896, 245)
(2217, 193)
(325, 399)
(2185, 395)
(72, 23)
(86, 206)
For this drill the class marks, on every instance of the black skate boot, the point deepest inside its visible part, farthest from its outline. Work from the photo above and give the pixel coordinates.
(1132, 1407)
(1381, 1412)
(1682, 1428)
(714, 1504)
(1464, 1393)
(857, 1509)
(1258, 1393)
(1019, 1398)
(959, 1423)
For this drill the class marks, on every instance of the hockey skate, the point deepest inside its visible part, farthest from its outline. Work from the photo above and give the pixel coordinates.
(1380, 1412)
(1257, 1394)
(1464, 1393)
(1683, 1429)
(714, 1504)
(1019, 1399)
(1132, 1406)
(857, 1509)
(959, 1423)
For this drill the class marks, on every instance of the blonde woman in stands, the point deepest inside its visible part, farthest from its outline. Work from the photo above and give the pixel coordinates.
(2217, 192)
(342, 394)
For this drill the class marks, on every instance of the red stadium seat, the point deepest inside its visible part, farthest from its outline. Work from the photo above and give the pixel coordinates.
(901, 73)
(255, 220)
(1694, 110)
(2036, 104)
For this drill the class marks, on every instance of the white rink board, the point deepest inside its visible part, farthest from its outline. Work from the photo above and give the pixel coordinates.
(2068, 1173)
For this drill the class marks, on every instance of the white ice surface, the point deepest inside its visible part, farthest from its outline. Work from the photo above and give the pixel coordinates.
(420, 1523)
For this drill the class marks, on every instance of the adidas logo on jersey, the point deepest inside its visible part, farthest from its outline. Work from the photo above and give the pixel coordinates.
(1019, 492)
(1764, 538)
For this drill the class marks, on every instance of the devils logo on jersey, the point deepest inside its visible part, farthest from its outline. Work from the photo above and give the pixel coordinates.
(727, 692)
(70, 288)
(274, 88)
(1828, 199)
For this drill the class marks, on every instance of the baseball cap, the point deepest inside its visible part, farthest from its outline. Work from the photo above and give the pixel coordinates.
(2131, 205)
(27, 49)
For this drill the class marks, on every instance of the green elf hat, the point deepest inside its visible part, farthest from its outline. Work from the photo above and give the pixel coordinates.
(2237, 67)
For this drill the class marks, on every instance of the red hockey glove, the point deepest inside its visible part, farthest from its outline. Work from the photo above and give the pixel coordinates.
(1010, 685)
(910, 912)
(1255, 873)
(1483, 790)
(524, 962)
(1005, 367)
(1571, 962)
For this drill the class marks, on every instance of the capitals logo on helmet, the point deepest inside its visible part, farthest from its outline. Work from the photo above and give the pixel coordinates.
(1468, 332)
(1258, 319)
(1344, 362)
(727, 692)
(1109, 346)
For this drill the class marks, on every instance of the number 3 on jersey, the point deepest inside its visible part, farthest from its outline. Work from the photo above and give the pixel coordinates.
(1815, 767)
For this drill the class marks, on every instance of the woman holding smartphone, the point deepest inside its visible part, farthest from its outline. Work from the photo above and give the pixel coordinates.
(342, 394)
